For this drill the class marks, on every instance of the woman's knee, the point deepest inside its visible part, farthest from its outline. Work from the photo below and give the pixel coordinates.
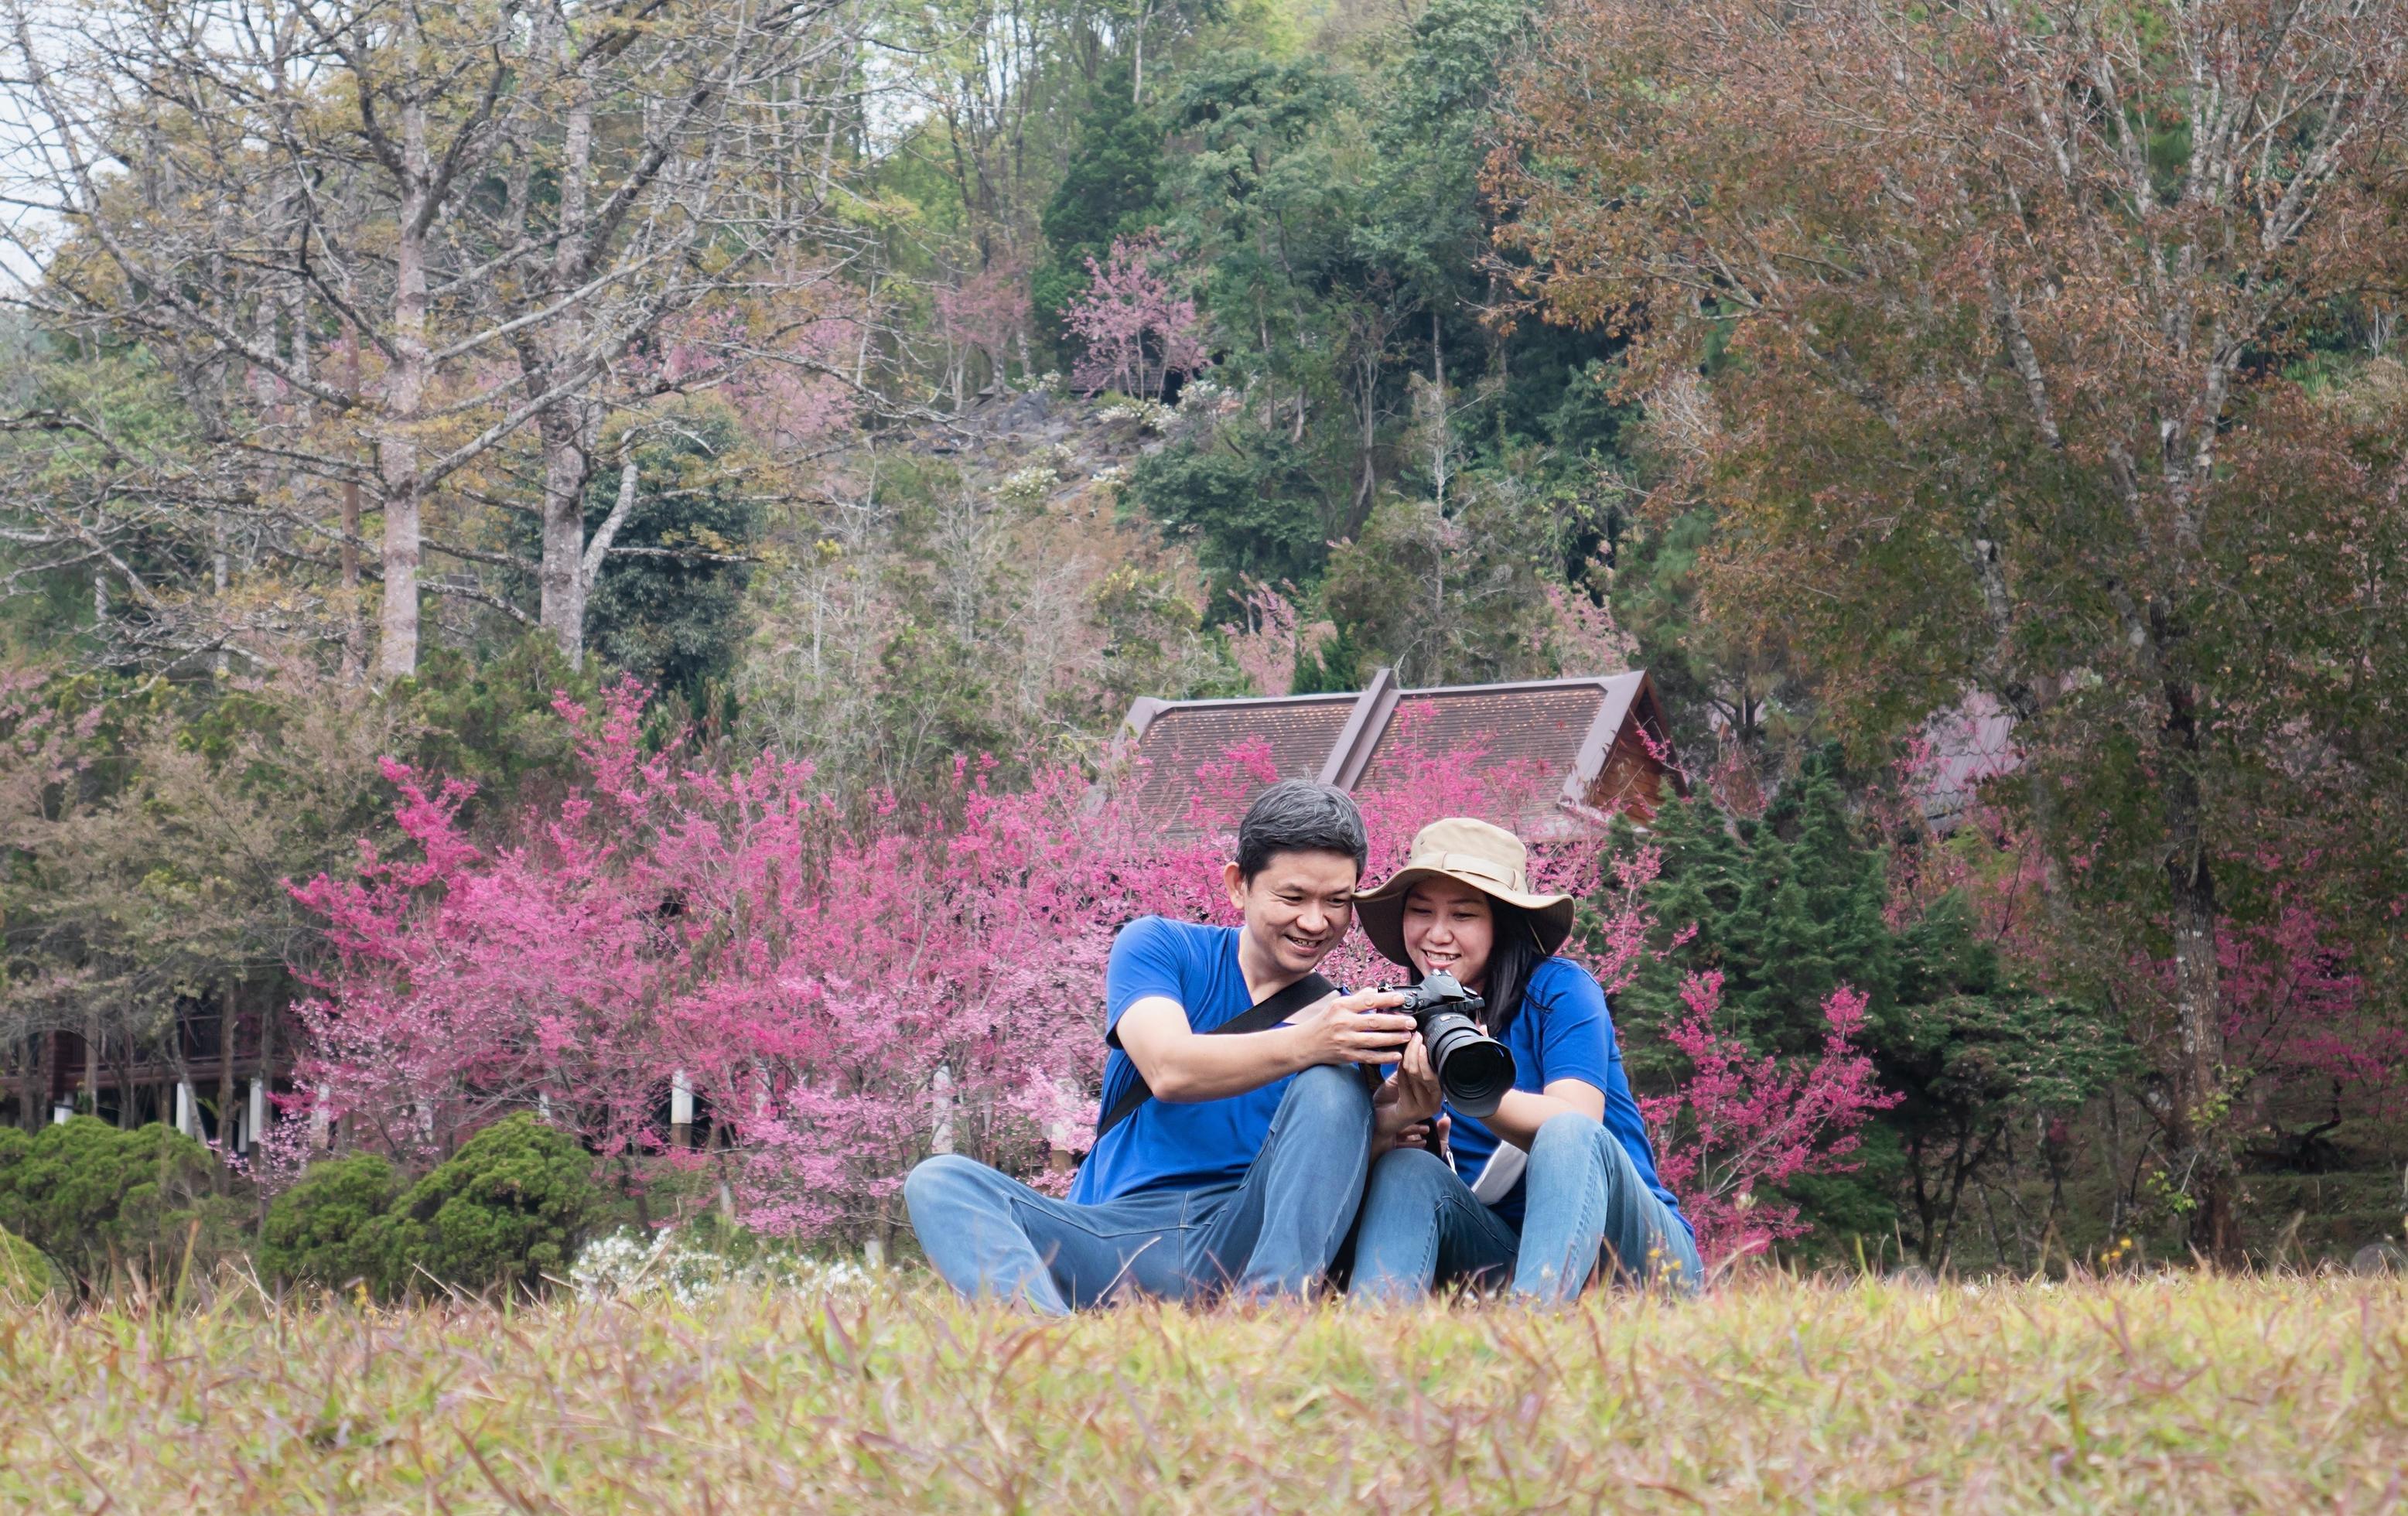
(1409, 1174)
(1568, 1133)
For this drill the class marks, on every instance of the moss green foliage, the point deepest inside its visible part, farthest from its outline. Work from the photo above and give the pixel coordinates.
(507, 1210)
(489, 720)
(1449, 596)
(99, 1201)
(147, 897)
(1235, 497)
(25, 1274)
(330, 1227)
(674, 621)
(2206, 1394)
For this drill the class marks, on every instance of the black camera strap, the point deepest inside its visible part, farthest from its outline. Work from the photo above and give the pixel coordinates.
(1258, 1018)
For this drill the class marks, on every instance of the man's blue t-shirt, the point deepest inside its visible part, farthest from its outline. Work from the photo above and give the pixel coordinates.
(1562, 1032)
(1188, 1145)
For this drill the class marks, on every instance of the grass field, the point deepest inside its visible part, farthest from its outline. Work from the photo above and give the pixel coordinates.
(2172, 1394)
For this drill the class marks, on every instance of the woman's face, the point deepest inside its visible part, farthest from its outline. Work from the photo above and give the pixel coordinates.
(1450, 928)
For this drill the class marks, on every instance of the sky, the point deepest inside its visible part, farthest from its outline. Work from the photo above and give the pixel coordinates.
(21, 131)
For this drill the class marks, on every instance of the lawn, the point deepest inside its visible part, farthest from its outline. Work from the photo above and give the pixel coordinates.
(2161, 1394)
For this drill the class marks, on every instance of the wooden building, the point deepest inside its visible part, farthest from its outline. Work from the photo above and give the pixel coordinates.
(1598, 742)
(201, 1075)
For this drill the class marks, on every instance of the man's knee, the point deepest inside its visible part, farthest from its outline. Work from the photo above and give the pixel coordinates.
(1328, 1090)
(943, 1183)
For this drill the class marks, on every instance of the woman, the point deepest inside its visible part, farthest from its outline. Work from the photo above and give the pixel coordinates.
(1563, 1168)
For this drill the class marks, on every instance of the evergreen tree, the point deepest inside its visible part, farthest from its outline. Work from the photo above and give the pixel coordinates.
(1108, 189)
(1794, 903)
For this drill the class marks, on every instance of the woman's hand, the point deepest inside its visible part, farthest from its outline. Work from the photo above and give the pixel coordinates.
(1431, 1136)
(1406, 1099)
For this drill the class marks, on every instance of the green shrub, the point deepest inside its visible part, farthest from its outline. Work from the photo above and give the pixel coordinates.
(96, 1199)
(508, 1209)
(331, 1227)
(25, 1275)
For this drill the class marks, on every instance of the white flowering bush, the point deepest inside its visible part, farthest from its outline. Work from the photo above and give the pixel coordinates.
(628, 1264)
(1150, 415)
(1204, 397)
(1029, 486)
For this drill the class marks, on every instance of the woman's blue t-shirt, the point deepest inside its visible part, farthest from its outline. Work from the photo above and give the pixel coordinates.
(1187, 1145)
(1562, 1032)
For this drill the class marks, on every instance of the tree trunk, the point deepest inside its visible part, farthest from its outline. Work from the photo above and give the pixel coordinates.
(567, 426)
(2197, 1125)
(92, 1062)
(229, 1017)
(404, 392)
(567, 467)
(1437, 422)
(127, 1091)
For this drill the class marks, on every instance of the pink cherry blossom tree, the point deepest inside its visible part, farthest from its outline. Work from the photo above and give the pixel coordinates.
(842, 999)
(985, 316)
(1265, 645)
(1744, 1125)
(1136, 326)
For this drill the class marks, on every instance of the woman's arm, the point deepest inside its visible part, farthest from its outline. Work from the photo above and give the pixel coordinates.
(1521, 1114)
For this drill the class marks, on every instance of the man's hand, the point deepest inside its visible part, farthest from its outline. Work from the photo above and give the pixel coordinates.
(1406, 1100)
(1358, 1028)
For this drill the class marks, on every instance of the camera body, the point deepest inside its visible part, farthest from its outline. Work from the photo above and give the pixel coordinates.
(1474, 1069)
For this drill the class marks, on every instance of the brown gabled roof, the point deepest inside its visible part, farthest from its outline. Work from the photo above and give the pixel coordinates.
(1176, 737)
(1585, 729)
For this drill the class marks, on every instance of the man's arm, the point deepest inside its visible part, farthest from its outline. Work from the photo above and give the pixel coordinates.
(1183, 1065)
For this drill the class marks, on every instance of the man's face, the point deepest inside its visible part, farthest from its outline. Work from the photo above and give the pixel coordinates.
(1298, 908)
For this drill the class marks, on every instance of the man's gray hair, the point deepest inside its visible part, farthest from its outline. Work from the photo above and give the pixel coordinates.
(1299, 816)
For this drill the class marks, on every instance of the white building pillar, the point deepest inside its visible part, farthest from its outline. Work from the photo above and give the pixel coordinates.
(680, 1109)
(256, 1125)
(188, 1119)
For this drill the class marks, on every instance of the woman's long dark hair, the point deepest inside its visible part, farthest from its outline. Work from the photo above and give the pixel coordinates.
(1514, 957)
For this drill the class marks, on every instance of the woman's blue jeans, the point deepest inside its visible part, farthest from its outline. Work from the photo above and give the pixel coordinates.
(1272, 1233)
(1582, 1198)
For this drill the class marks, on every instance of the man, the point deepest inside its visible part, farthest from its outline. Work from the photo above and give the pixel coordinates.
(1244, 1167)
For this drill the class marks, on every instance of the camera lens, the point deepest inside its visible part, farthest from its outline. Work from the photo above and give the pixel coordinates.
(1474, 1070)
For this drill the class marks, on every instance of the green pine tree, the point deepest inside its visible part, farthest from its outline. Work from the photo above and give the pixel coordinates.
(1791, 906)
(1108, 189)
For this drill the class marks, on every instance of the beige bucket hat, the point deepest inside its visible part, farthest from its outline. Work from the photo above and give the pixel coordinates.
(1488, 858)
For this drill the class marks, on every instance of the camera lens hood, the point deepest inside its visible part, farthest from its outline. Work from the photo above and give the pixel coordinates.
(1474, 1069)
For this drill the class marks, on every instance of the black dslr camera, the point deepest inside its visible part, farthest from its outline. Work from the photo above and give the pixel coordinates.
(1474, 1069)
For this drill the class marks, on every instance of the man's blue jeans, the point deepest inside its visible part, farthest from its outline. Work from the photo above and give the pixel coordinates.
(1270, 1232)
(1422, 1225)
